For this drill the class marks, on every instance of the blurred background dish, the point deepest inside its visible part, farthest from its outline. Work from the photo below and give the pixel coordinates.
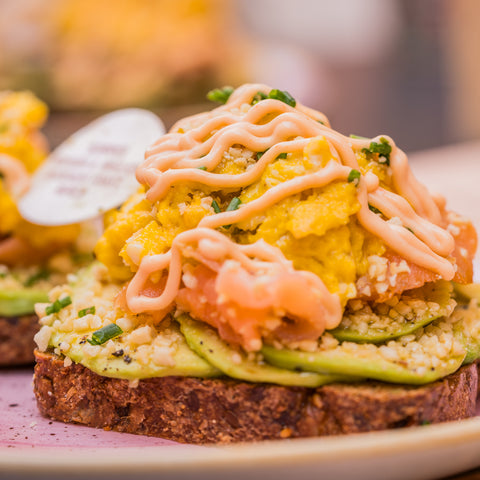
(401, 67)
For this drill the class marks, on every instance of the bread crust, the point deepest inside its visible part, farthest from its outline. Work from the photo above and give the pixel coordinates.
(223, 410)
(16, 339)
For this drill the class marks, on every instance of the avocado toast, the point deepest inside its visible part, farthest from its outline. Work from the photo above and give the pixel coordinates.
(272, 279)
(33, 259)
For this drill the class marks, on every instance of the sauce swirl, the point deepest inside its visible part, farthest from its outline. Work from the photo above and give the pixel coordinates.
(273, 127)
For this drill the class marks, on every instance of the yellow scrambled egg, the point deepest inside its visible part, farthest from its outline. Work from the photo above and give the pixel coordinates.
(316, 229)
(21, 117)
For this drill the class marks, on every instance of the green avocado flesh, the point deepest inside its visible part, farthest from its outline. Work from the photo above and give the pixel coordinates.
(185, 362)
(378, 323)
(338, 362)
(467, 292)
(379, 362)
(20, 302)
(431, 352)
(234, 363)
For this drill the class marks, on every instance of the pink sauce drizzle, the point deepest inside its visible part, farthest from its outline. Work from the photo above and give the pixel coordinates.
(201, 140)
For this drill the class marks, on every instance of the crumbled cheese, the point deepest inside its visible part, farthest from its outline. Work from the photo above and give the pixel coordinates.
(141, 335)
(42, 337)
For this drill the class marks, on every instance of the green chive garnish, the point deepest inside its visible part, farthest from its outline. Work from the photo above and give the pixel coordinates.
(258, 97)
(354, 176)
(202, 168)
(358, 137)
(105, 334)
(220, 95)
(261, 154)
(410, 230)
(57, 305)
(282, 156)
(215, 206)
(42, 274)
(374, 210)
(234, 204)
(86, 311)
(383, 148)
(283, 96)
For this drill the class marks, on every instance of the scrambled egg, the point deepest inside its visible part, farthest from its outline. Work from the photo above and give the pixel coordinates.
(21, 117)
(317, 229)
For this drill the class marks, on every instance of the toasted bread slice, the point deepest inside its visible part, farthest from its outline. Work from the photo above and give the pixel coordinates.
(222, 410)
(16, 339)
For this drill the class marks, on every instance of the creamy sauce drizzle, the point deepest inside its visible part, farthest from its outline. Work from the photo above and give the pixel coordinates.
(177, 156)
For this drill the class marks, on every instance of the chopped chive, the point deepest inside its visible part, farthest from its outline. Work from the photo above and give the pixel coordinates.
(234, 204)
(3, 274)
(358, 137)
(86, 311)
(42, 274)
(282, 156)
(202, 167)
(374, 210)
(220, 95)
(283, 96)
(426, 422)
(105, 334)
(57, 305)
(215, 206)
(384, 149)
(320, 121)
(261, 154)
(354, 176)
(410, 230)
(259, 96)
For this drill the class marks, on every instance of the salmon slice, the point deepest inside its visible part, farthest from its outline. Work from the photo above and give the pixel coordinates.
(245, 324)
(465, 248)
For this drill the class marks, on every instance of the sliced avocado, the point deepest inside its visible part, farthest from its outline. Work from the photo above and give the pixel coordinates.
(186, 362)
(363, 360)
(467, 292)
(372, 325)
(20, 302)
(235, 363)
(467, 330)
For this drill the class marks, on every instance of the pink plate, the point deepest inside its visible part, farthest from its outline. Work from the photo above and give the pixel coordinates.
(22, 425)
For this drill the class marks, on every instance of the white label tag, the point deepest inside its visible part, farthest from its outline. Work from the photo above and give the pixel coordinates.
(93, 171)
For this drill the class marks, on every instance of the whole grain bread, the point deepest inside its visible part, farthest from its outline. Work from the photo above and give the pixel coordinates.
(222, 410)
(16, 339)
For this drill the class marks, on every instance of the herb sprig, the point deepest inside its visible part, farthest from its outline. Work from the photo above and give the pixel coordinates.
(220, 95)
(105, 334)
(384, 149)
(354, 177)
(58, 305)
(275, 94)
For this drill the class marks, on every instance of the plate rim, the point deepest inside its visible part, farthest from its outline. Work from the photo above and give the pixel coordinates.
(317, 450)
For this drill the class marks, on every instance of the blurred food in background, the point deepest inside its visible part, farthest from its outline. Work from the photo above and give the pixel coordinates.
(105, 54)
(22, 149)
(399, 67)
